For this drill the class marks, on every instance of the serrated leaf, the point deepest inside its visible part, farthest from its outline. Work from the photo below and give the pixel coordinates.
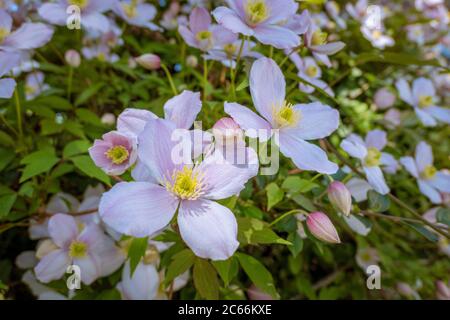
(76, 147)
(258, 274)
(205, 279)
(181, 262)
(88, 167)
(274, 195)
(136, 251)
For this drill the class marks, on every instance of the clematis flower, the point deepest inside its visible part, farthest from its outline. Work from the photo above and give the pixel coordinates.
(91, 13)
(114, 153)
(136, 13)
(358, 188)
(429, 179)
(357, 11)
(143, 285)
(89, 248)
(423, 98)
(27, 36)
(311, 72)
(416, 33)
(262, 19)
(371, 156)
(333, 10)
(101, 52)
(34, 85)
(392, 118)
(295, 123)
(7, 62)
(384, 98)
(316, 42)
(202, 34)
(366, 257)
(142, 208)
(376, 37)
(227, 52)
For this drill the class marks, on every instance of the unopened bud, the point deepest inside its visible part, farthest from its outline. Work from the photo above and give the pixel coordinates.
(226, 130)
(149, 61)
(73, 58)
(443, 291)
(340, 197)
(192, 61)
(322, 228)
(108, 119)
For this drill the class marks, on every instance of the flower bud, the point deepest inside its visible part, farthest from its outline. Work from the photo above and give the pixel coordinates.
(132, 63)
(384, 98)
(192, 61)
(226, 130)
(322, 228)
(73, 58)
(443, 291)
(149, 61)
(340, 197)
(405, 290)
(108, 119)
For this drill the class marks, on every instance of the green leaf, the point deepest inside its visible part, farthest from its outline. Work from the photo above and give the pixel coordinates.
(295, 184)
(137, 250)
(87, 116)
(258, 274)
(423, 231)
(88, 93)
(304, 202)
(53, 102)
(6, 140)
(242, 85)
(6, 203)
(396, 58)
(111, 294)
(205, 279)
(255, 231)
(6, 156)
(297, 244)
(181, 262)
(274, 195)
(378, 202)
(227, 269)
(37, 163)
(443, 216)
(76, 147)
(88, 167)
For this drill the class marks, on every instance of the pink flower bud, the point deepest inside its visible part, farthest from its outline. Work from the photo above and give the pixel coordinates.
(73, 58)
(192, 61)
(226, 130)
(405, 289)
(149, 61)
(108, 119)
(340, 197)
(443, 291)
(384, 98)
(322, 228)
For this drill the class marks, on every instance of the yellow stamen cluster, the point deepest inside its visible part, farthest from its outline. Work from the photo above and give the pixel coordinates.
(29, 90)
(256, 11)
(286, 115)
(117, 154)
(429, 172)
(186, 184)
(373, 157)
(101, 57)
(311, 71)
(230, 49)
(80, 3)
(130, 10)
(319, 38)
(205, 37)
(3, 34)
(425, 101)
(78, 249)
(376, 34)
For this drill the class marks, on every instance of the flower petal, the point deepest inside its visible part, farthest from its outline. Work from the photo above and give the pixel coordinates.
(426, 118)
(5, 20)
(54, 13)
(89, 269)
(404, 91)
(306, 156)
(376, 139)
(63, 229)
(208, 228)
(410, 166)
(354, 148)
(132, 121)
(376, 179)
(429, 191)
(7, 87)
(424, 156)
(199, 20)
(249, 121)
(183, 109)
(358, 188)
(29, 36)
(143, 285)
(441, 181)
(317, 121)
(267, 86)
(422, 86)
(52, 266)
(390, 164)
(95, 21)
(441, 114)
(138, 209)
(279, 37)
(231, 20)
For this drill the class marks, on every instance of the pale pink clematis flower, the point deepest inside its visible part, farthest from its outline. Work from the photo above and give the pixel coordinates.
(431, 181)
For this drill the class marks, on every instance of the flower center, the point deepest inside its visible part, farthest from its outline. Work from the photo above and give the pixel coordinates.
(203, 35)
(373, 157)
(3, 34)
(78, 249)
(319, 38)
(286, 115)
(311, 71)
(230, 49)
(29, 90)
(376, 34)
(101, 57)
(130, 9)
(425, 101)
(256, 11)
(117, 154)
(429, 172)
(80, 3)
(186, 184)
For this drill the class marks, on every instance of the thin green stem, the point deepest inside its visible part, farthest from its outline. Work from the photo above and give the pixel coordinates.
(69, 83)
(284, 215)
(19, 113)
(169, 77)
(8, 125)
(205, 78)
